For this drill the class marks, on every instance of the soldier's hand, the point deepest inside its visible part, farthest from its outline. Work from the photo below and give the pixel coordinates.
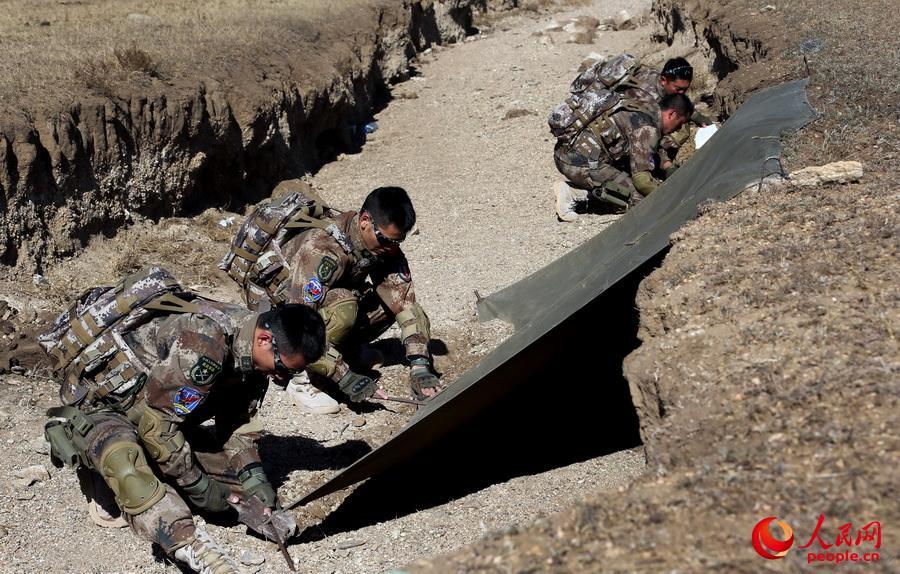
(423, 382)
(254, 482)
(357, 387)
(208, 493)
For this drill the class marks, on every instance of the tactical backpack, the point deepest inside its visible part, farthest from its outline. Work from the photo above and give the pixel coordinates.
(255, 260)
(593, 94)
(90, 358)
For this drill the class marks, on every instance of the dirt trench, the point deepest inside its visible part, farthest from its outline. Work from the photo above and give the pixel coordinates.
(222, 134)
(766, 381)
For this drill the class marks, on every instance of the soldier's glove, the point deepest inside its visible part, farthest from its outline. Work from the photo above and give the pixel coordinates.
(421, 377)
(672, 169)
(254, 482)
(274, 525)
(208, 493)
(357, 387)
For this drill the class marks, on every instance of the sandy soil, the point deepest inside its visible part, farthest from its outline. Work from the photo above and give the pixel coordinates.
(467, 138)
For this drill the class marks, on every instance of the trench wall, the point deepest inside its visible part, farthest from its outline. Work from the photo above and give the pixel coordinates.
(95, 164)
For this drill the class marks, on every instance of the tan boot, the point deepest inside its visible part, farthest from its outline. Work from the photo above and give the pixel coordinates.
(567, 198)
(101, 501)
(205, 556)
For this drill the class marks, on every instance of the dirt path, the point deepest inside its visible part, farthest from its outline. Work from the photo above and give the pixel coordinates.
(482, 187)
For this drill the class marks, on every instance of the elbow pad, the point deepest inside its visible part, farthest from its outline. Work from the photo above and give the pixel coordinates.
(161, 437)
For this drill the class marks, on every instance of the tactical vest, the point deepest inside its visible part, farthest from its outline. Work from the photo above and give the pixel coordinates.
(592, 95)
(90, 357)
(255, 260)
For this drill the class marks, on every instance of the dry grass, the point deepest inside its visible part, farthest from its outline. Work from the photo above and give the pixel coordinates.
(55, 48)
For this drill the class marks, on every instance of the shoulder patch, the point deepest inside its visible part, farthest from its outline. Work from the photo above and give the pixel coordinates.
(326, 269)
(204, 371)
(186, 400)
(312, 290)
(403, 273)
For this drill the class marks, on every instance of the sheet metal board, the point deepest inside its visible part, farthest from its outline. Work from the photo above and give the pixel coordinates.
(739, 154)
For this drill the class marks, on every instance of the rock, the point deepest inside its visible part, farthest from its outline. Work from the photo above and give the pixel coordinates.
(3, 531)
(39, 280)
(358, 421)
(39, 445)
(24, 495)
(768, 8)
(350, 543)
(624, 21)
(837, 172)
(250, 558)
(29, 475)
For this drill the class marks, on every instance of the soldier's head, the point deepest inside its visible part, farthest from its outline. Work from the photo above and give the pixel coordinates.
(676, 76)
(385, 218)
(675, 110)
(287, 339)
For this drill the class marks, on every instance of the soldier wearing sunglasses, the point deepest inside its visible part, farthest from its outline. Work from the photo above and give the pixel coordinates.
(359, 281)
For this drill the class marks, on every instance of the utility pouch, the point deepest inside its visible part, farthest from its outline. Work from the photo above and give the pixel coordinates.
(67, 434)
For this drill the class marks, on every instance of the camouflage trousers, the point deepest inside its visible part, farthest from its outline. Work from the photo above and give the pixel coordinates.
(169, 521)
(603, 182)
(353, 319)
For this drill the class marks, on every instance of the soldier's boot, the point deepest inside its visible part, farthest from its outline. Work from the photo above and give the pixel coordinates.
(101, 501)
(567, 199)
(310, 399)
(203, 555)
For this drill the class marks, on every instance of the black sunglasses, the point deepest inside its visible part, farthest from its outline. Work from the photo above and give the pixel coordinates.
(384, 239)
(280, 367)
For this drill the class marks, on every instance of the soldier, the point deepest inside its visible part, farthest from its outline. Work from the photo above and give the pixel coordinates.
(348, 266)
(650, 85)
(161, 376)
(612, 160)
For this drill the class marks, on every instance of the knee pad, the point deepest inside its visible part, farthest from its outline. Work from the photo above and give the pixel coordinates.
(124, 468)
(339, 318)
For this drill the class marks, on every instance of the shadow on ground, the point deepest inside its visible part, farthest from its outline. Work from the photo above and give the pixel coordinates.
(559, 415)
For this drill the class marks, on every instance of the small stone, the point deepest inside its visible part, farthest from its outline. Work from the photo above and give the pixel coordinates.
(358, 421)
(3, 531)
(18, 369)
(250, 558)
(350, 543)
(24, 495)
(624, 21)
(40, 445)
(768, 8)
(29, 475)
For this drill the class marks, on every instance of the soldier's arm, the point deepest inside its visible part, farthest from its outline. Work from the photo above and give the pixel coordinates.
(395, 287)
(643, 145)
(194, 349)
(315, 266)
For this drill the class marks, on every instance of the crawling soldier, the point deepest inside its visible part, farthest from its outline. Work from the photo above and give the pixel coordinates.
(151, 372)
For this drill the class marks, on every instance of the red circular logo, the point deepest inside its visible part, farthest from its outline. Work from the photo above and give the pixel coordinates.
(765, 542)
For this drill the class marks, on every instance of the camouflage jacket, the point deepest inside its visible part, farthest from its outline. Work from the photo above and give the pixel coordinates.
(625, 139)
(200, 369)
(318, 263)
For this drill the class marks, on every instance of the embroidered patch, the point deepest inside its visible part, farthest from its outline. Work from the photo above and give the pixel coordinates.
(312, 291)
(326, 269)
(404, 274)
(204, 371)
(186, 400)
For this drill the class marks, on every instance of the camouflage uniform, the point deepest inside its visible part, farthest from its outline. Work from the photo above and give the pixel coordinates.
(613, 150)
(199, 369)
(358, 294)
(645, 85)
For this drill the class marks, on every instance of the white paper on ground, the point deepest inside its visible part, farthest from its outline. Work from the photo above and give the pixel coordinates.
(703, 134)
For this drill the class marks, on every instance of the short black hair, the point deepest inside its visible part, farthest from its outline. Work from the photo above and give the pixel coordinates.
(678, 102)
(296, 329)
(678, 69)
(390, 205)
